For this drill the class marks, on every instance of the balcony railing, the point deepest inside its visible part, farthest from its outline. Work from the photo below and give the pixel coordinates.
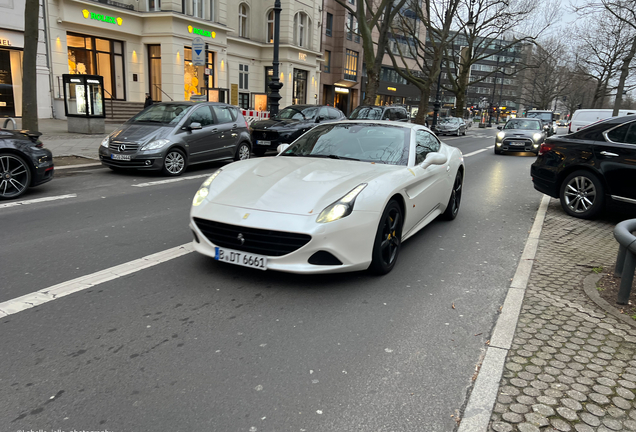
(116, 4)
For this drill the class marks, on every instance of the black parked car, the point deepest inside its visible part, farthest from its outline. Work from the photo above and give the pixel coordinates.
(589, 168)
(290, 123)
(23, 162)
(393, 113)
(169, 136)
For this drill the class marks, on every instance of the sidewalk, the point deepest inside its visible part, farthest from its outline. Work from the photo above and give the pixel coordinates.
(56, 138)
(572, 364)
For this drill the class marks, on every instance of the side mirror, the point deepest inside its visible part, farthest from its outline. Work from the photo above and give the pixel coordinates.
(281, 148)
(434, 158)
(320, 118)
(194, 125)
(500, 127)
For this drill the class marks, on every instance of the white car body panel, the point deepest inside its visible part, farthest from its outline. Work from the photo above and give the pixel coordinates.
(287, 193)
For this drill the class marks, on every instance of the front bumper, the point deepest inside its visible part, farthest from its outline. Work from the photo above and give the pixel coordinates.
(151, 160)
(349, 239)
(273, 138)
(518, 144)
(43, 164)
(545, 179)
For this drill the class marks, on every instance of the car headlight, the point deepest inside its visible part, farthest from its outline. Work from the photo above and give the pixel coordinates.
(501, 135)
(105, 142)
(341, 208)
(537, 137)
(203, 189)
(156, 144)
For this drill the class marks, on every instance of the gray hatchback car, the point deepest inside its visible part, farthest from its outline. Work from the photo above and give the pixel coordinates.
(169, 136)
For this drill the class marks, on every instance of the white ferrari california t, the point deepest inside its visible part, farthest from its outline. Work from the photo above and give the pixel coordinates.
(342, 197)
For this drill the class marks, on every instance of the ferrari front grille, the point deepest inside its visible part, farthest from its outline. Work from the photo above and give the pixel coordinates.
(252, 240)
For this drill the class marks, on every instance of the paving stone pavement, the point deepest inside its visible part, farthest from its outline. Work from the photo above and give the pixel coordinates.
(572, 366)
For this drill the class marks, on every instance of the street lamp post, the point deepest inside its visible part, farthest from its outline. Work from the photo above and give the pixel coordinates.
(494, 88)
(275, 85)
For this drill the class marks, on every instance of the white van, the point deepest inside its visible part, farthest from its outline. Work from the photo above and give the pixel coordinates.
(585, 117)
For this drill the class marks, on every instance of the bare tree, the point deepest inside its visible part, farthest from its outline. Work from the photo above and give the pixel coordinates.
(29, 74)
(369, 15)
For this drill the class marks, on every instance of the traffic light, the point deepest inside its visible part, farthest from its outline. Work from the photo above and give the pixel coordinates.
(579, 106)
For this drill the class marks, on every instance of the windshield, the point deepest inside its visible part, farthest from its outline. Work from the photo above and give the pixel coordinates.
(169, 114)
(292, 113)
(544, 116)
(370, 143)
(366, 113)
(450, 120)
(523, 124)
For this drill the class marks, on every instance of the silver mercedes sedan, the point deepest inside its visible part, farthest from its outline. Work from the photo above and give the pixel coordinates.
(520, 135)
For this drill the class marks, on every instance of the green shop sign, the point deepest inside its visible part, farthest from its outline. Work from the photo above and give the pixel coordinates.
(200, 32)
(102, 18)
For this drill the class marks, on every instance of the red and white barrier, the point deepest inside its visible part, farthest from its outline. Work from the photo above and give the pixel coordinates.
(252, 115)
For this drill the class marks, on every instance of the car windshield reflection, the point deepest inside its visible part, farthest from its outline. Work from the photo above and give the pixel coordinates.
(291, 113)
(169, 114)
(523, 125)
(369, 143)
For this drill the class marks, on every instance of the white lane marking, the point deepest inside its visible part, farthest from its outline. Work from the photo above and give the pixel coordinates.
(54, 292)
(477, 151)
(178, 179)
(38, 200)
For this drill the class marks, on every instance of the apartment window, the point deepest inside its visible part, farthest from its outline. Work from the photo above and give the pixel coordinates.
(270, 27)
(301, 25)
(244, 77)
(243, 14)
(212, 10)
(154, 5)
(329, 27)
(352, 2)
(327, 65)
(349, 26)
(351, 66)
(197, 8)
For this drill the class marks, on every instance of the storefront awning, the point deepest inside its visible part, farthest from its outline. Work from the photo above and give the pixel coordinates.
(345, 83)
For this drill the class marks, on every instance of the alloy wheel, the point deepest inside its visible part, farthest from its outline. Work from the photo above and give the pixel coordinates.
(244, 152)
(391, 235)
(580, 194)
(14, 176)
(175, 162)
(456, 194)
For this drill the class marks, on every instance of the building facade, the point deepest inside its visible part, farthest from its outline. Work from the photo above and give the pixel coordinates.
(146, 46)
(11, 60)
(342, 58)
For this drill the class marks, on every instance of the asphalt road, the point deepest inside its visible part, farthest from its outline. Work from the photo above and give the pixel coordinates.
(192, 344)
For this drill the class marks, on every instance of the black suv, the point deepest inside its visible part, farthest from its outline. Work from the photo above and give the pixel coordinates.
(290, 123)
(393, 113)
(590, 167)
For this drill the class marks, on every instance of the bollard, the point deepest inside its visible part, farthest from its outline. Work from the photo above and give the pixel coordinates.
(626, 258)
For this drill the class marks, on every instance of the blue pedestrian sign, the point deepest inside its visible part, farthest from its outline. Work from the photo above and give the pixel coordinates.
(198, 51)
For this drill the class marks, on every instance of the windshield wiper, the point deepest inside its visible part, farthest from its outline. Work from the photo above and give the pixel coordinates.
(333, 156)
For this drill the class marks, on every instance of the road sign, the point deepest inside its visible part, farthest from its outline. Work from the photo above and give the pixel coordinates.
(198, 51)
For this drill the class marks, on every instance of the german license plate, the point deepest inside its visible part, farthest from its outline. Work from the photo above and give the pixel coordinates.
(262, 142)
(240, 258)
(516, 143)
(120, 157)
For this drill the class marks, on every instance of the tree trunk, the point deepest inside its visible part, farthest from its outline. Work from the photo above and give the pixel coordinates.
(29, 74)
(422, 107)
(623, 78)
(371, 89)
(460, 101)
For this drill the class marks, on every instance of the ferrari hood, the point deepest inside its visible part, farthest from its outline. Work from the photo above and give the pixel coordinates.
(294, 185)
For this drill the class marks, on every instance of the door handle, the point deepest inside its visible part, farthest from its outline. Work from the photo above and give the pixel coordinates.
(606, 153)
(234, 126)
(215, 130)
(448, 168)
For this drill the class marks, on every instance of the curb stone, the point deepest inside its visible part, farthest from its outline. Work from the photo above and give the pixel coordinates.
(589, 286)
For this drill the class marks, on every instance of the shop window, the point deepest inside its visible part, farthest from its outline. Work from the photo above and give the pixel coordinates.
(243, 16)
(154, 67)
(193, 76)
(10, 83)
(98, 56)
(300, 87)
(351, 66)
(244, 100)
(270, 27)
(327, 64)
(329, 25)
(244, 77)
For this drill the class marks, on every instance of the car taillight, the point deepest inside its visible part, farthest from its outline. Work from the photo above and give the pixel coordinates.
(545, 147)
(246, 124)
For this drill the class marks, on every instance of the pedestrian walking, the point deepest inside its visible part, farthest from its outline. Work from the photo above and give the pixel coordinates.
(149, 101)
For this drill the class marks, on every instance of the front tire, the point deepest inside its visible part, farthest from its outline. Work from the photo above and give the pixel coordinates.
(582, 195)
(242, 152)
(497, 151)
(174, 164)
(388, 239)
(15, 176)
(452, 209)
